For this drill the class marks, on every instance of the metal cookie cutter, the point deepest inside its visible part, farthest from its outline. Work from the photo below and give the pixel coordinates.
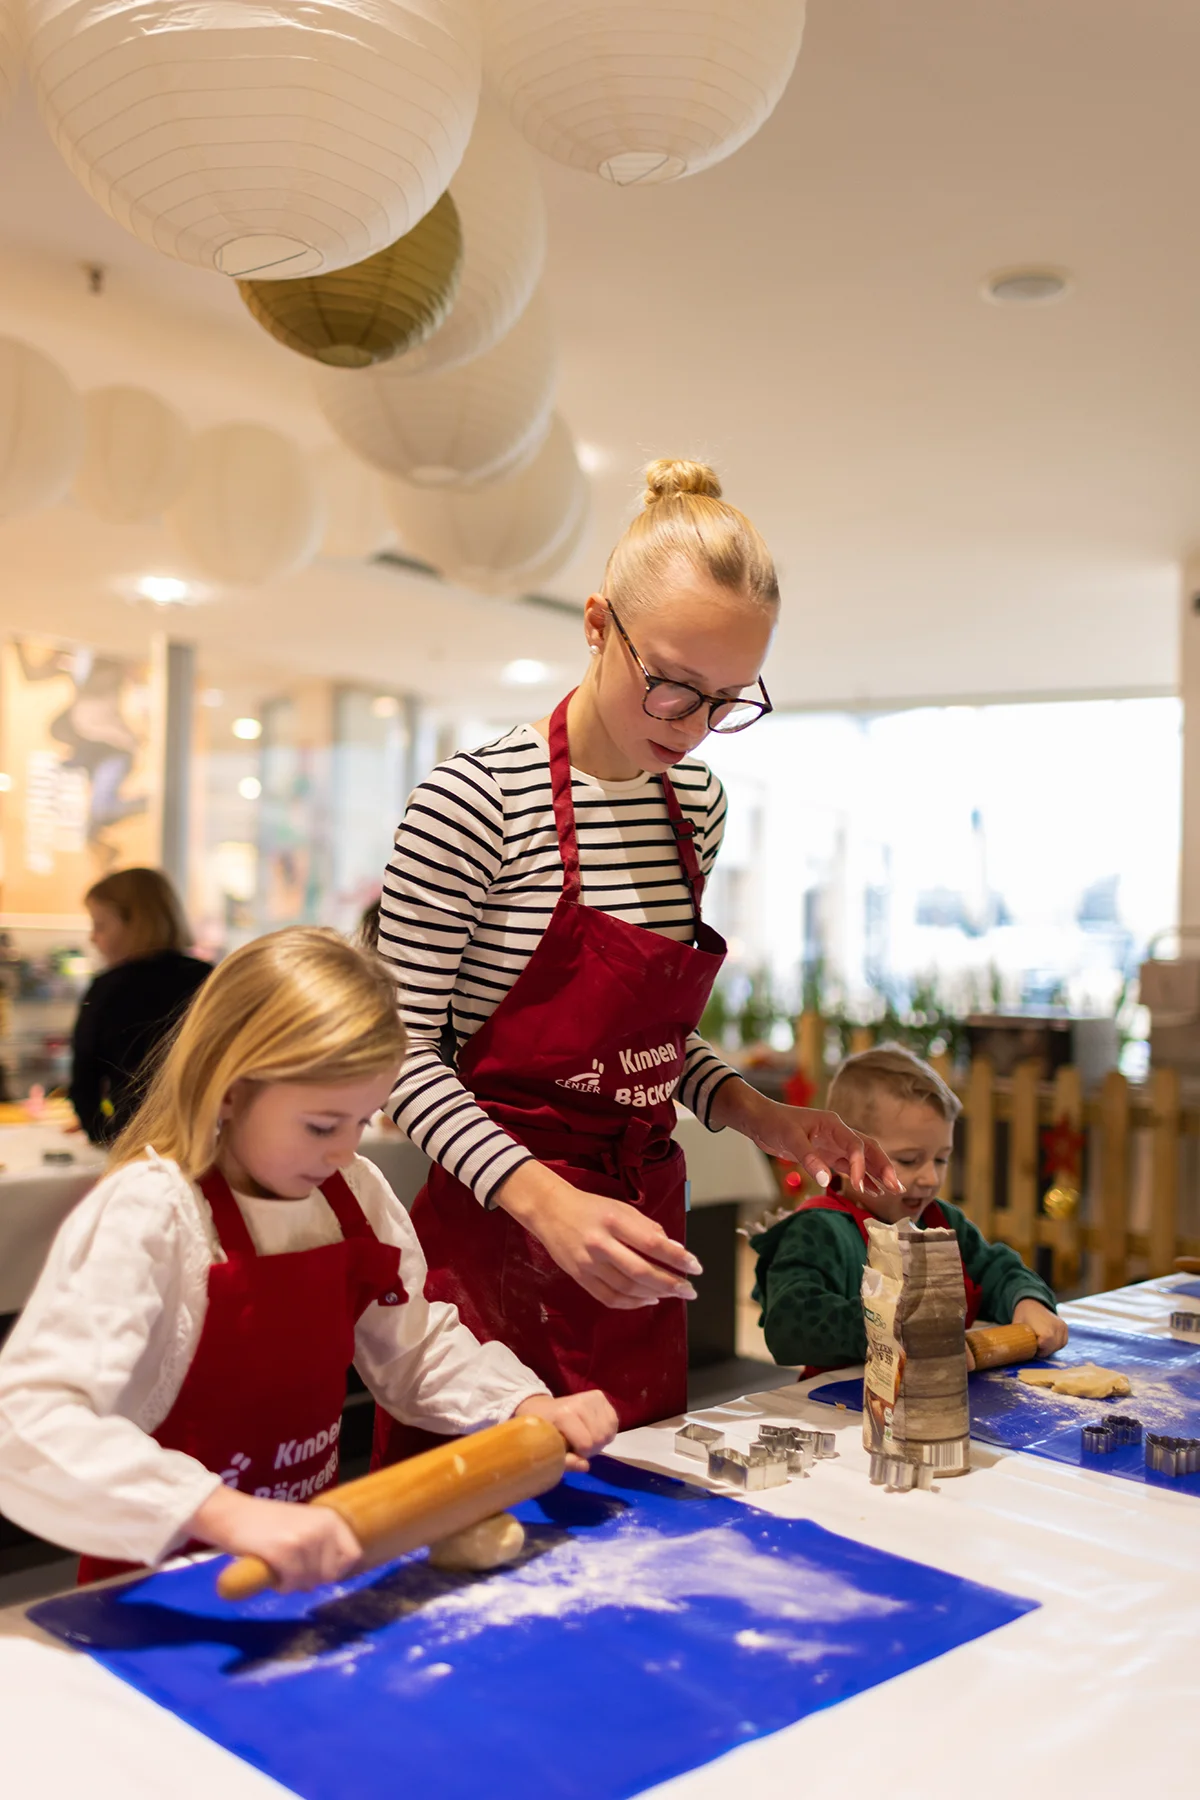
(754, 1469)
(798, 1437)
(1124, 1429)
(898, 1476)
(1099, 1439)
(1186, 1325)
(1172, 1456)
(698, 1441)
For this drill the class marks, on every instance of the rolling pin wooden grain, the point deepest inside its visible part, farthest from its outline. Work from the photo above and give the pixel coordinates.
(994, 1345)
(430, 1496)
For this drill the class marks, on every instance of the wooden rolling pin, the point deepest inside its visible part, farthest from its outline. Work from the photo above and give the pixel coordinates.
(1188, 1265)
(430, 1496)
(994, 1345)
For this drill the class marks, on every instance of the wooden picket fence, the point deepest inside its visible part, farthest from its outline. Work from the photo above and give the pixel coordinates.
(1000, 1175)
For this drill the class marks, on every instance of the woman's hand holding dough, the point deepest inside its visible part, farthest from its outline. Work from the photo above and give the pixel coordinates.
(587, 1421)
(615, 1253)
(304, 1546)
(1051, 1331)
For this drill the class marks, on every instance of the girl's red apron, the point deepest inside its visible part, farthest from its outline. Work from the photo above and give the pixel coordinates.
(933, 1215)
(261, 1404)
(578, 1062)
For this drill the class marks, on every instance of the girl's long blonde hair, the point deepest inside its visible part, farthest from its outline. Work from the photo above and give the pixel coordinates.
(298, 1005)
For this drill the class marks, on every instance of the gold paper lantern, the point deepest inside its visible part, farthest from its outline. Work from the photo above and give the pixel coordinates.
(375, 309)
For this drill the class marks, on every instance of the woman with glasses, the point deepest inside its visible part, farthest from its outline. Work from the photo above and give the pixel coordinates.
(542, 910)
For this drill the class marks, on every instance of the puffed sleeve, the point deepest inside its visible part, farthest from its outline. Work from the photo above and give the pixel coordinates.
(107, 1318)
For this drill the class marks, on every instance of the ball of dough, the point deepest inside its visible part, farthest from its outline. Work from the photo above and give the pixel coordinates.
(487, 1545)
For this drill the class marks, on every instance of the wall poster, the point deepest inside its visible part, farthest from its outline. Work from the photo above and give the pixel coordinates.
(81, 742)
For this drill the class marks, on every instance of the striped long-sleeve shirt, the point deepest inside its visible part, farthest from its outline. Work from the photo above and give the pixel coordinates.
(469, 890)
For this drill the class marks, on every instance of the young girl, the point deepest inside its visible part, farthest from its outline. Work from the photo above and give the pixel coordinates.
(542, 912)
(179, 1372)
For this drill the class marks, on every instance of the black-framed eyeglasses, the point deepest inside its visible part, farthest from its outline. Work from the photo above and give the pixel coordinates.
(678, 700)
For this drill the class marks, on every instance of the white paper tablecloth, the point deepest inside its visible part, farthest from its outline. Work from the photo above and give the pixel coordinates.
(35, 1198)
(1091, 1695)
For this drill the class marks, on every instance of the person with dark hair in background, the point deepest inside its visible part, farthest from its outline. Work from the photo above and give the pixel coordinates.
(139, 929)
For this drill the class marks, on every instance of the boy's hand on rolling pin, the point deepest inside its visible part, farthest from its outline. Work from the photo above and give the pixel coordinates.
(587, 1421)
(1051, 1330)
(304, 1546)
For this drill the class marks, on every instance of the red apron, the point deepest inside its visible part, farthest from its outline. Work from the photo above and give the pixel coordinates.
(578, 1062)
(261, 1404)
(933, 1215)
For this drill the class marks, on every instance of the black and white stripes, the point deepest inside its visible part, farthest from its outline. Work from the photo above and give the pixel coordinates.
(468, 892)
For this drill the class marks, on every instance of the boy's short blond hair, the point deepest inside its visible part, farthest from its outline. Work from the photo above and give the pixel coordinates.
(893, 1070)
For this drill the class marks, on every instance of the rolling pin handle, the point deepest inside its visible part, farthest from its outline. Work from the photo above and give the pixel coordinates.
(243, 1578)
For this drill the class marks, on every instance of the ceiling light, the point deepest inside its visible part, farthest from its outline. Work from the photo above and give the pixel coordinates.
(525, 672)
(385, 706)
(247, 728)
(163, 590)
(249, 787)
(1026, 287)
(592, 459)
(5, 783)
(212, 698)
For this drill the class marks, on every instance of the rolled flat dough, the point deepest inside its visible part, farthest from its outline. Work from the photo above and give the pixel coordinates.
(487, 1545)
(1086, 1381)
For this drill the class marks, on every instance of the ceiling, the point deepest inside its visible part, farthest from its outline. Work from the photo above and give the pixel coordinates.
(964, 500)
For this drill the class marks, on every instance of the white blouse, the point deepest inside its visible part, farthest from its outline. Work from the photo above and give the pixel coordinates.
(98, 1356)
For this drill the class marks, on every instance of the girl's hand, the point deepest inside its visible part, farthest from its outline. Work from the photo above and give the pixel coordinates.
(615, 1253)
(818, 1141)
(1051, 1330)
(304, 1546)
(587, 1421)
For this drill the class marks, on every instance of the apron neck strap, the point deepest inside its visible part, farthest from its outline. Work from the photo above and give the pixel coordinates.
(232, 1230)
(685, 844)
(345, 1207)
(683, 828)
(564, 810)
(234, 1233)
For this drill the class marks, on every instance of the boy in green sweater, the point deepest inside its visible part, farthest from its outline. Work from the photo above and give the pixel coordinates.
(810, 1263)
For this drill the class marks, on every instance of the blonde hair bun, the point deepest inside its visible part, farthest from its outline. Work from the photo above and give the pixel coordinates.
(669, 476)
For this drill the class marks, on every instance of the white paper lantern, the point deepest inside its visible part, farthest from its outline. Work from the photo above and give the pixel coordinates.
(251, 510)
(41, 430)
(259, 136)
(504, 538)
(356, 519)
(12, 43)
(476, 423)
(502, 210)
(136, 458)
(640, 91)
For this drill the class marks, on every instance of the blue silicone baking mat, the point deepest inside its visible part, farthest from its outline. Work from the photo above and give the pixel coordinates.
(650, 1628)
(1163, 1374)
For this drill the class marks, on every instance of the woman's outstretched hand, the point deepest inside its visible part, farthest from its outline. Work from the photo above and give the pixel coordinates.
(615, 1253)
(818, 1141)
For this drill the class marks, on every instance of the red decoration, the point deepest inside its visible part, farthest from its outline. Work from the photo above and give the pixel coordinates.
(1062, 1150)
(799, 1089)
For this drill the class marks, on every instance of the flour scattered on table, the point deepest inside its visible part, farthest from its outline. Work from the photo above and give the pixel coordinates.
(643, 1571)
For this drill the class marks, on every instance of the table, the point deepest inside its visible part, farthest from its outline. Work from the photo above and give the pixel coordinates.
(1089, 1694)
(35, 1198)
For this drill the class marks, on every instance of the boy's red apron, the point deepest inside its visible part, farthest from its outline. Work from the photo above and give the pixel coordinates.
(933, 1215)
(579, 1062)
(261, 1404)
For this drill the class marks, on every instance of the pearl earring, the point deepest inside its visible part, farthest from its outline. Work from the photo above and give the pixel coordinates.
(592, 649)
